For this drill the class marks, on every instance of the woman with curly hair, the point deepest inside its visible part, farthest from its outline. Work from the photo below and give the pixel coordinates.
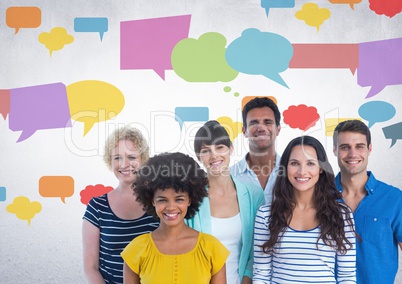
(305, 235)
(171, 187)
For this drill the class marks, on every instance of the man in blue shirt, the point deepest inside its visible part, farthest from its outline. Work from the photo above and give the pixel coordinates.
(376, 206)
(261, 125)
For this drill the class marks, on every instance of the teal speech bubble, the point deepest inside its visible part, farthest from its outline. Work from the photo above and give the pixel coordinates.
(393, 132)
(91, 25)
(376, 111)
(183, 114)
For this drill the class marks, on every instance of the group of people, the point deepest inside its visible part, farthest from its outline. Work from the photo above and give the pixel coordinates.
(266, 219)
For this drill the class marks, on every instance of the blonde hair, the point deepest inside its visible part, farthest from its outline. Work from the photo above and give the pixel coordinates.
(126, 133)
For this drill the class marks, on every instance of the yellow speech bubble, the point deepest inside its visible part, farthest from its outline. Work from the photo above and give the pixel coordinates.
(24, 209)
(331, 123)
(93, 101)
(233, 128)
(55, 39)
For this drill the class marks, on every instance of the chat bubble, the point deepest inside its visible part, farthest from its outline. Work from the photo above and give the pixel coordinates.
(325, 56)
(228, 89)
(56, 186)
(91, 25)
(38, 107)
(268, 4)
(56, 39)
(93, 101)
(4, 103)
(387, 8)
(23, 17)
(91, 191)
(262, 53)
(148, 44)
(393, 132)
(301, 116)
(232, 128)
(246, 99)
(376, 111)
(183, 114)
(350, 2)
(331, 123)
(24, 209)
(202, 60)
(3, 193)
(380, 64)
(313, 15)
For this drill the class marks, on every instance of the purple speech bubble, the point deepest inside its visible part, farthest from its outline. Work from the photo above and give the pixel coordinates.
(38, 107)
(380, 64)
(148, 44)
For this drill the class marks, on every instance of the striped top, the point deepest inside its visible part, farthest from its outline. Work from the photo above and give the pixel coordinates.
(115, 235)
(297, 259)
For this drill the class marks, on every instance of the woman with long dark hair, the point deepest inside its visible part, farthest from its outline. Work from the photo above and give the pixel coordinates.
(306, 235)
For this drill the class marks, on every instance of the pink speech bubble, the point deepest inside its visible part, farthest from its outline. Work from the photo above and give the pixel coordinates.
(4, 103)
(388, 8)
(325, 56)
(38, 107)
(148, 44)
(93, 191)
(380, 64)
(301, 116)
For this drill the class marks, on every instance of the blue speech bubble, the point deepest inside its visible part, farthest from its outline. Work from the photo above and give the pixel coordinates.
(267, 4)
(183, 114)
(3, 193)
(262, 53)
(376, 111)
(91, 25)
(393, 132)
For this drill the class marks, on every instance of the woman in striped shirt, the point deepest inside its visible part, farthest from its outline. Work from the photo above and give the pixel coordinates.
(305, 235)
(113, 220)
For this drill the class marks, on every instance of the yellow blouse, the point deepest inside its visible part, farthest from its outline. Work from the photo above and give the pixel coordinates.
(196, 266)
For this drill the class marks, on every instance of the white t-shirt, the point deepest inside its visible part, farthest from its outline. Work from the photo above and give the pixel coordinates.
(228, 232)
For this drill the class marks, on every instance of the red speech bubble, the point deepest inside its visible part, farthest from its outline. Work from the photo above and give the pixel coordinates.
(4, 103)
(93, 191)
(23, 17)
(301, 116)
(325, 56)
(388, 8)
(56, 186)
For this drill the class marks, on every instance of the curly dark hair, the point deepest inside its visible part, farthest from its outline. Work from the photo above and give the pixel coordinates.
(329, 210)
(176, 171)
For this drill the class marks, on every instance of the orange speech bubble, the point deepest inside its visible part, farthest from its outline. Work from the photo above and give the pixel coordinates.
(23, 17)
(350, 2)
(325, 56)
(56, 186)
(246, 99)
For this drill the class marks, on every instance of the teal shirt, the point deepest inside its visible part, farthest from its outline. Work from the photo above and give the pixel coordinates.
(250, 198)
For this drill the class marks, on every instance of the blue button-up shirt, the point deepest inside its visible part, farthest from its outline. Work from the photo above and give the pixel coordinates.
(243, 173)
(378, 221)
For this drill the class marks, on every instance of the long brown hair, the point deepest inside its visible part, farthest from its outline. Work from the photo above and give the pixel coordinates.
(326, 199)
